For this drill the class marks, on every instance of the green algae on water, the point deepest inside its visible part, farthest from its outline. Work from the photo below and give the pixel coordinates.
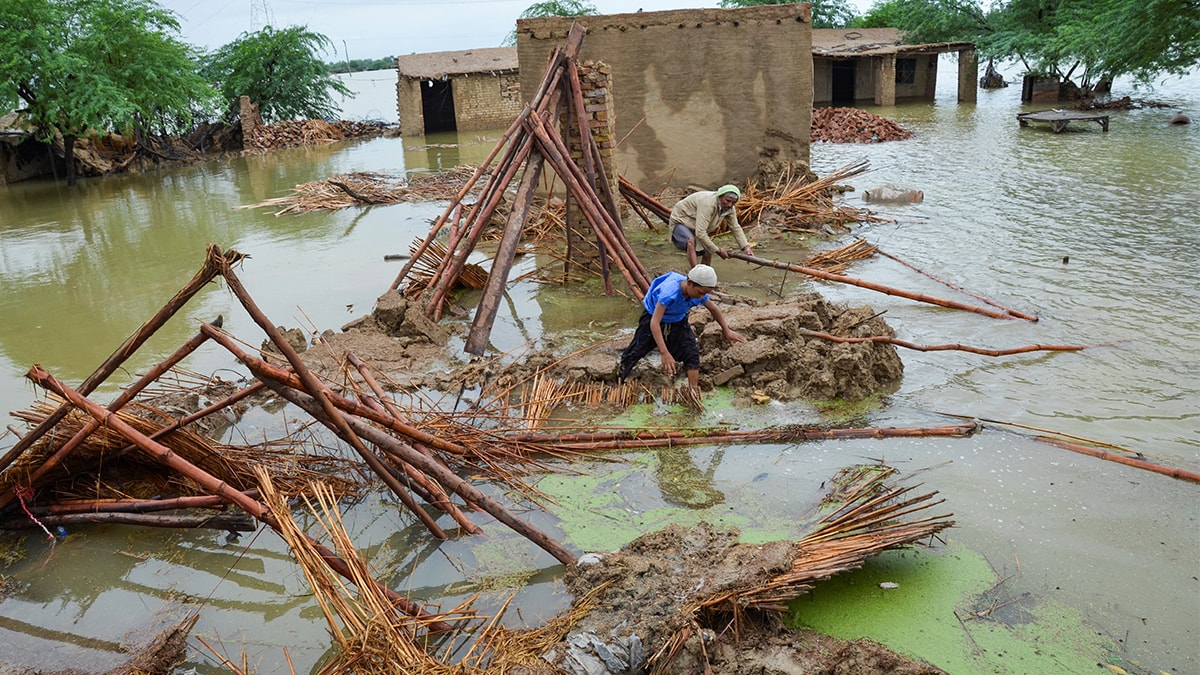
(948, 608)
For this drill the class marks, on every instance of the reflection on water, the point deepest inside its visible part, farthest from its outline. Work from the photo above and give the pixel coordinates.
(684, 484)
(81, 269)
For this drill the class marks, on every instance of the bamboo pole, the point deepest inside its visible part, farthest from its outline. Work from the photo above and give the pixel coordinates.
(456, 203)
(828, 276)
(132, 505)
(587, 201)
(436, 494)
(505, 141)
(642, 438)
(213, 263)
(1013, 312)
(321, 393)
(603, 219)
(210, 483)
(1137, 463)
(286, 387)
(941, 348)
(262, 368)
(635, 195)
(477, 219)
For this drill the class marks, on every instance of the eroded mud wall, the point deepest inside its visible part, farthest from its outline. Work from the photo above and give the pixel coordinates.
(699, 94)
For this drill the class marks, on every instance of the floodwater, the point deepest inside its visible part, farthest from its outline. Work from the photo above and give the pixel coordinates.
(1094, 232)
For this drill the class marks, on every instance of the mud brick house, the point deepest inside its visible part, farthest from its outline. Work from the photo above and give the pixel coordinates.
(697, 95)
(873, 65)
(463, 90)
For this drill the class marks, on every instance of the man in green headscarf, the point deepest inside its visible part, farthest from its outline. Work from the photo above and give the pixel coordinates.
(697, 216)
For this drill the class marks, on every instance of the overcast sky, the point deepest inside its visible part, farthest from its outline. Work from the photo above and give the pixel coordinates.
(376, 28)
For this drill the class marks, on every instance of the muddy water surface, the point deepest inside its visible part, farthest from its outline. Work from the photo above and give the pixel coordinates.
(1116, 547)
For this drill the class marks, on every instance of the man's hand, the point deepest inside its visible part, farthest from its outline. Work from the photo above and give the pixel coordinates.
(669, 364)
(724, 253)
(746, 249)
(733, 336)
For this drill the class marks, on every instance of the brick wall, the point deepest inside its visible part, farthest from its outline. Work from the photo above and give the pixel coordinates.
(486, 101)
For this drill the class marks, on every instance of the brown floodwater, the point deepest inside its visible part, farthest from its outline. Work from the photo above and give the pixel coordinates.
(1094, 232)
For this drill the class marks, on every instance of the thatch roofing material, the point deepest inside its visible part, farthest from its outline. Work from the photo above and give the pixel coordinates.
(440, 65)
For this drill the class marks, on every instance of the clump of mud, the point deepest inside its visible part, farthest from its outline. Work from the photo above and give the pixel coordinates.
(647, 590)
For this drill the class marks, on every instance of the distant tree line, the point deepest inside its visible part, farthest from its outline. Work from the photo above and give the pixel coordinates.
(359, 65)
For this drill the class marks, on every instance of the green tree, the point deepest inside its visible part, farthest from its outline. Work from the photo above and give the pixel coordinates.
(82, 68)
(1094, 40)
(825, 13)
(280, 70)
(551, 8)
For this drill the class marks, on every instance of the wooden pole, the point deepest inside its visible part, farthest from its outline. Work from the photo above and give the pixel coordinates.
(442, 474)
(493, 290)
(321, 393)
(232, 522)
(941, 348)
(588, 203)
(828, 276)
(1013, 312)
(1137, 463)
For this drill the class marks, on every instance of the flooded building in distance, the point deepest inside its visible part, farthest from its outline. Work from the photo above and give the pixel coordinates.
(697, 96)
(457, 91)
(875, 66)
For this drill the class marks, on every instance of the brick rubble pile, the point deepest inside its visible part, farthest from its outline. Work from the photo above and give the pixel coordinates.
(851, 125)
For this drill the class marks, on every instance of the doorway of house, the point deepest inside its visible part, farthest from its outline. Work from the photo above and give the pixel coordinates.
(843, 73)
(437, 105)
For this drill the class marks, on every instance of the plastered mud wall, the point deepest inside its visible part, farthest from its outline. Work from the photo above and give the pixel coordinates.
(699, 94)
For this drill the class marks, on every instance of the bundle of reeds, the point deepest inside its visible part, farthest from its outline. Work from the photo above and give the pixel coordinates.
(803, 205)
(424, 269)
(366, 188)
(838, 259)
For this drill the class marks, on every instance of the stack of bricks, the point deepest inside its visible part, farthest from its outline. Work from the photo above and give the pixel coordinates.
(595, 81)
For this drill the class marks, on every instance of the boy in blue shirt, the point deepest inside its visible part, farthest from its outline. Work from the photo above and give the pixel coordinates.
(664, 323)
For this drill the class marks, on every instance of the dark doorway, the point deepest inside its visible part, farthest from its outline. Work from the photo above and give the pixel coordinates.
(843, 72)
(437, 104)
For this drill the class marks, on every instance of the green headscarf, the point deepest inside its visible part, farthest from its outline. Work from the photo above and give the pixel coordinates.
(729, 190)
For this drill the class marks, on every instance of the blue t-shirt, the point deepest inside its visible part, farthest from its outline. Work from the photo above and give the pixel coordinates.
(666, 291)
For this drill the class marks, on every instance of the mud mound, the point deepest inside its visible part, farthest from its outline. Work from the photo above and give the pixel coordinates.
(649, 587)
(781, 358)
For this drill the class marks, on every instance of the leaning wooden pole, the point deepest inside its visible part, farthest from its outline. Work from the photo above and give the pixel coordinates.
(485, 312)
(442, 474)
(993, 303)
(455, 204)
(321, 393)
(437, 494)
(888, 290)
(211, 483)
(213, 263)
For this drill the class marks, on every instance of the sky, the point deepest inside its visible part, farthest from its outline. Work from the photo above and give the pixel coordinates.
(367, 29)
